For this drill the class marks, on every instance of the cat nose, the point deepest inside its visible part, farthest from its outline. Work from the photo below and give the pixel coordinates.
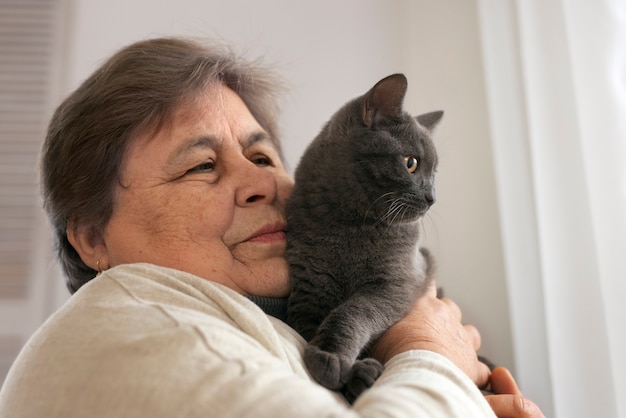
(430, 198)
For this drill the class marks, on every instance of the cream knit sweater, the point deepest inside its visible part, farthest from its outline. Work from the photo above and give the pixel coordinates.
(147, 341)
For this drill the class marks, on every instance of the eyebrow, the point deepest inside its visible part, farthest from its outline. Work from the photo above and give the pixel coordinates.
(255, 138)
(179, 154)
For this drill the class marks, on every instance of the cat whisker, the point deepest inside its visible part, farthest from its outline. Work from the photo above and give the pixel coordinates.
(399, 213)
(374, 202)
(396, 208)
(393, 207)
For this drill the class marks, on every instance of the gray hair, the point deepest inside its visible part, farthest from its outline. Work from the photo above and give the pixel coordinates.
(135, 92)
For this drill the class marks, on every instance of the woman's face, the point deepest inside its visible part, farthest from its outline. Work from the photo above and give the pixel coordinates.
(206, 195)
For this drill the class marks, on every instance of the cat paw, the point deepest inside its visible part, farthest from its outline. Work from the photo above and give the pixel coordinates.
(328, 369)
(362, 376)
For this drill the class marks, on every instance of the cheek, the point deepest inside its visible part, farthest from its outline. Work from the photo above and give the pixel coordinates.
(201, 217)
(156, 220)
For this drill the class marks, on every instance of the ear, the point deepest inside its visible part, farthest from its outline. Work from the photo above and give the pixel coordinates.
(89, 245)
(385, 99)
(430, 120)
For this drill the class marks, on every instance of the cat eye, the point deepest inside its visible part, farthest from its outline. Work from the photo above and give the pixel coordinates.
(411, 163)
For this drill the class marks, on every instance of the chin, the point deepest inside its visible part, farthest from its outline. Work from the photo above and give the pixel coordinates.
(279, 288)
(275, 279)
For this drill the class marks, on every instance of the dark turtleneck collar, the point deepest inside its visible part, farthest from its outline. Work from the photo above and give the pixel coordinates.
(276, 307)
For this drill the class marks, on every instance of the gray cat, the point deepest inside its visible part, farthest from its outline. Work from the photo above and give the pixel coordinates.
(360, 189)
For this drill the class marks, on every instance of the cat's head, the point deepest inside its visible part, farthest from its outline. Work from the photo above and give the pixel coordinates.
(394, 157)
(373, 162)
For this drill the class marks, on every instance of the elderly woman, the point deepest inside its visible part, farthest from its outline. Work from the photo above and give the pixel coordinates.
(163, 181)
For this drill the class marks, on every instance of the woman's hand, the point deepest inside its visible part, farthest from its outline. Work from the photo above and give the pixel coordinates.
(507, 401)
(435, 325)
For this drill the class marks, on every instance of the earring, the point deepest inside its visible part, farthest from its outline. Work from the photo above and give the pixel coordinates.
(98, 267)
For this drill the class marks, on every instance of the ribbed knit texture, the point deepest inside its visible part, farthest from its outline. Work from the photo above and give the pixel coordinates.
(276, 307)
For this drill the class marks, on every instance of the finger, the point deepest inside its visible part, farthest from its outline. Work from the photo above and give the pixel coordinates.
(502, 382)
(513, 406)
(474, 336)
(482, 375)
(454, 308)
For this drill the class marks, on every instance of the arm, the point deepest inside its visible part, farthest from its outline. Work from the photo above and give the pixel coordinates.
(414, 384)
(242, 379)
(418, 380)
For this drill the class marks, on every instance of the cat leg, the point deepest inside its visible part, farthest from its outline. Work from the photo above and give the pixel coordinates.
(313, 296)
(344, 333)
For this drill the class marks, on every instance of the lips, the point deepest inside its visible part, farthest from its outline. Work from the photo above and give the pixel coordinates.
(269, 233)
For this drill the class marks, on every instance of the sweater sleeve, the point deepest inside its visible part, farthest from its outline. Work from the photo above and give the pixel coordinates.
(423, 384)
(414, 384)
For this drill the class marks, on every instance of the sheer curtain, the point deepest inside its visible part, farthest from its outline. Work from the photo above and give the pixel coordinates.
(556, 78)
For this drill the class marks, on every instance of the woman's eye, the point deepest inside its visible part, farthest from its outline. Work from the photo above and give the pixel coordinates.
(411, 163)
(205, 167)
(261, 160)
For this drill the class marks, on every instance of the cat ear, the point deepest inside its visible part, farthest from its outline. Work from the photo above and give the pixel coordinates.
(384, 99)
(430, 120)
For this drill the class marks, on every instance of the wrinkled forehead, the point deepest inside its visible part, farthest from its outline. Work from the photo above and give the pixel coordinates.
(211, 103)
(165, 116)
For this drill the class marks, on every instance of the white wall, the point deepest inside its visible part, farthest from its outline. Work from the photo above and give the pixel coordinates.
(330, 51)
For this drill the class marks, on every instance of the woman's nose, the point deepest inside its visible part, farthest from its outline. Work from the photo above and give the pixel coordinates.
(255, 185)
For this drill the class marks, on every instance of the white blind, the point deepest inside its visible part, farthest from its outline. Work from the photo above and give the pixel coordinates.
(26, 37)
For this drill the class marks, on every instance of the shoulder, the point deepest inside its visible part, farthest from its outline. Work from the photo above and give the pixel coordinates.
(142, 334)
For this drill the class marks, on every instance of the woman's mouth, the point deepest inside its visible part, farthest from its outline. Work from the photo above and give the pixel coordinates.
(269, 233)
